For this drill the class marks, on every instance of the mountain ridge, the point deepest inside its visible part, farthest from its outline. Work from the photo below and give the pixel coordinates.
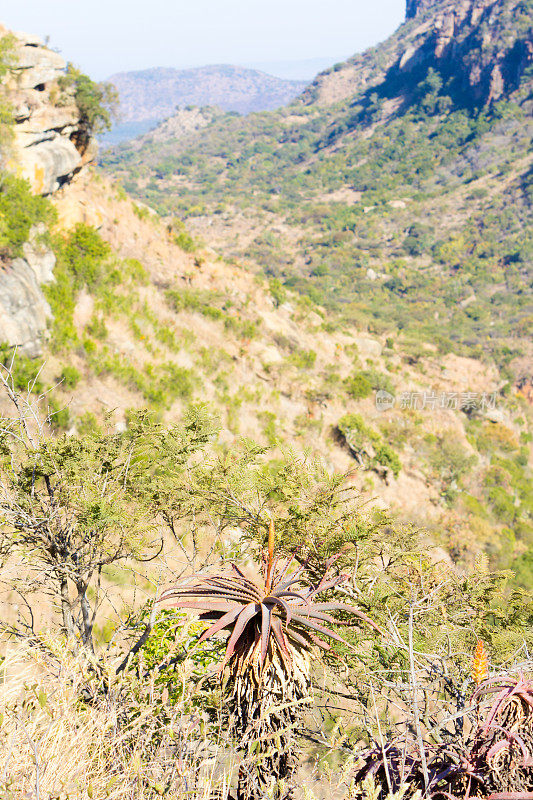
(153, 94)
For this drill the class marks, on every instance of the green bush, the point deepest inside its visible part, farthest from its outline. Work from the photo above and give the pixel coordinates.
(302, 359)
(70, 376)
(195, 300)
(358, 386)
(58, 415)
(363, 383)
(182, 237)
(97, 102)
(278, 291)
(84, 254)
(24, 371)
(361, 438)
(20, 210)
(386, 456)
(84, 259)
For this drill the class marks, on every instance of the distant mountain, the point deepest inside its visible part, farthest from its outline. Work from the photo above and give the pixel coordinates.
(153, 94)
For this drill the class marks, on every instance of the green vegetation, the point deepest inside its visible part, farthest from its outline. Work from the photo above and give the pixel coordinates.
(85, 261)
(6, 113)
(367, 445)
(97, 102)
(20, 211)
(347, 595)
(24, 371)
(70, 376)
(429, 247)
(363, 383)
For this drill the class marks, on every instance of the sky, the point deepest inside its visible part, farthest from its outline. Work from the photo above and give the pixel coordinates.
(107, 36)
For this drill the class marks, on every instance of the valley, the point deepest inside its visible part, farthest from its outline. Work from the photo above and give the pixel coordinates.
(266, 424)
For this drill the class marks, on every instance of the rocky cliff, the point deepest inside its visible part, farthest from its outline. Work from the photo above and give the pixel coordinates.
(415, 7)
(480, 49)
(49, 147)
(24, 311)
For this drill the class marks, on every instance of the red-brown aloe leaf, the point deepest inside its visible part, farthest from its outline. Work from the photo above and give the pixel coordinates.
(320, 642)
(280, 636)
(280, 577)
(323, 587)
(246, 614)
(497, 704)
(198, 591)
(279, 602)
(240, 584)
(227, 619)
(292, 579)
(221, 587)
(300, 638)
(205, 605)
(286, 593)
(266, 620)
(320, 629)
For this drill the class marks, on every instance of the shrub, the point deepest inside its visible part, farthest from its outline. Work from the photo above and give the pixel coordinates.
(20, 211)
(358, 386)
(277, 291)
(302, 359)
(70, 376)
(58, 415)
(363, 383)
(84, 253)
(97, 102)
(367, 445)
(24, 371)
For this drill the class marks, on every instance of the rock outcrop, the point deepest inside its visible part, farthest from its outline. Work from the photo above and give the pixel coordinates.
(24, 311)
(50, 144)
(480, 48)
(415, 7)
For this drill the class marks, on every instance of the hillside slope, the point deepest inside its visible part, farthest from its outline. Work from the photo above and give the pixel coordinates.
(395, 191)
(142, 315)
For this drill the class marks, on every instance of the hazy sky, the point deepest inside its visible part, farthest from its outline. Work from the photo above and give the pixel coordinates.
(106, 36)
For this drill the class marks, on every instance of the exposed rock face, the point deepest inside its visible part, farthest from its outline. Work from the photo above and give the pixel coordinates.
(480, 48)
(24, 311)
(49, 147)
(415, 7)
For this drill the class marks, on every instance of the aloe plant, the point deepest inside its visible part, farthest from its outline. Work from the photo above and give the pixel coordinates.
(271, 624)
(493, 759)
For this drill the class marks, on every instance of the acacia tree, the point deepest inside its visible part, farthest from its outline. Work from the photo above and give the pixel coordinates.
(72, 505)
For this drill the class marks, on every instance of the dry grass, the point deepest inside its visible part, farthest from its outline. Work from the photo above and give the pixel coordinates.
(55, 746)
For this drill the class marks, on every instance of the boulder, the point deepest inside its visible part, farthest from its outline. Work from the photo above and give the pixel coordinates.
(24, 310)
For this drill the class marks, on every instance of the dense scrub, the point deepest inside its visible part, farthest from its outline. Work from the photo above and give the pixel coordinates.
(94, 514)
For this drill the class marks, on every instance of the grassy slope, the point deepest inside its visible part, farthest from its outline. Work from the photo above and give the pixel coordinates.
(146, 323)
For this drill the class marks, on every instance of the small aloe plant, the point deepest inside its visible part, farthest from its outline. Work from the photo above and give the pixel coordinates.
(271, 625)
(493, 760)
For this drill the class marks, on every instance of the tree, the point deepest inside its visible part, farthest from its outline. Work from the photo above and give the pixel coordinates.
(97, 102)
(73, 505)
